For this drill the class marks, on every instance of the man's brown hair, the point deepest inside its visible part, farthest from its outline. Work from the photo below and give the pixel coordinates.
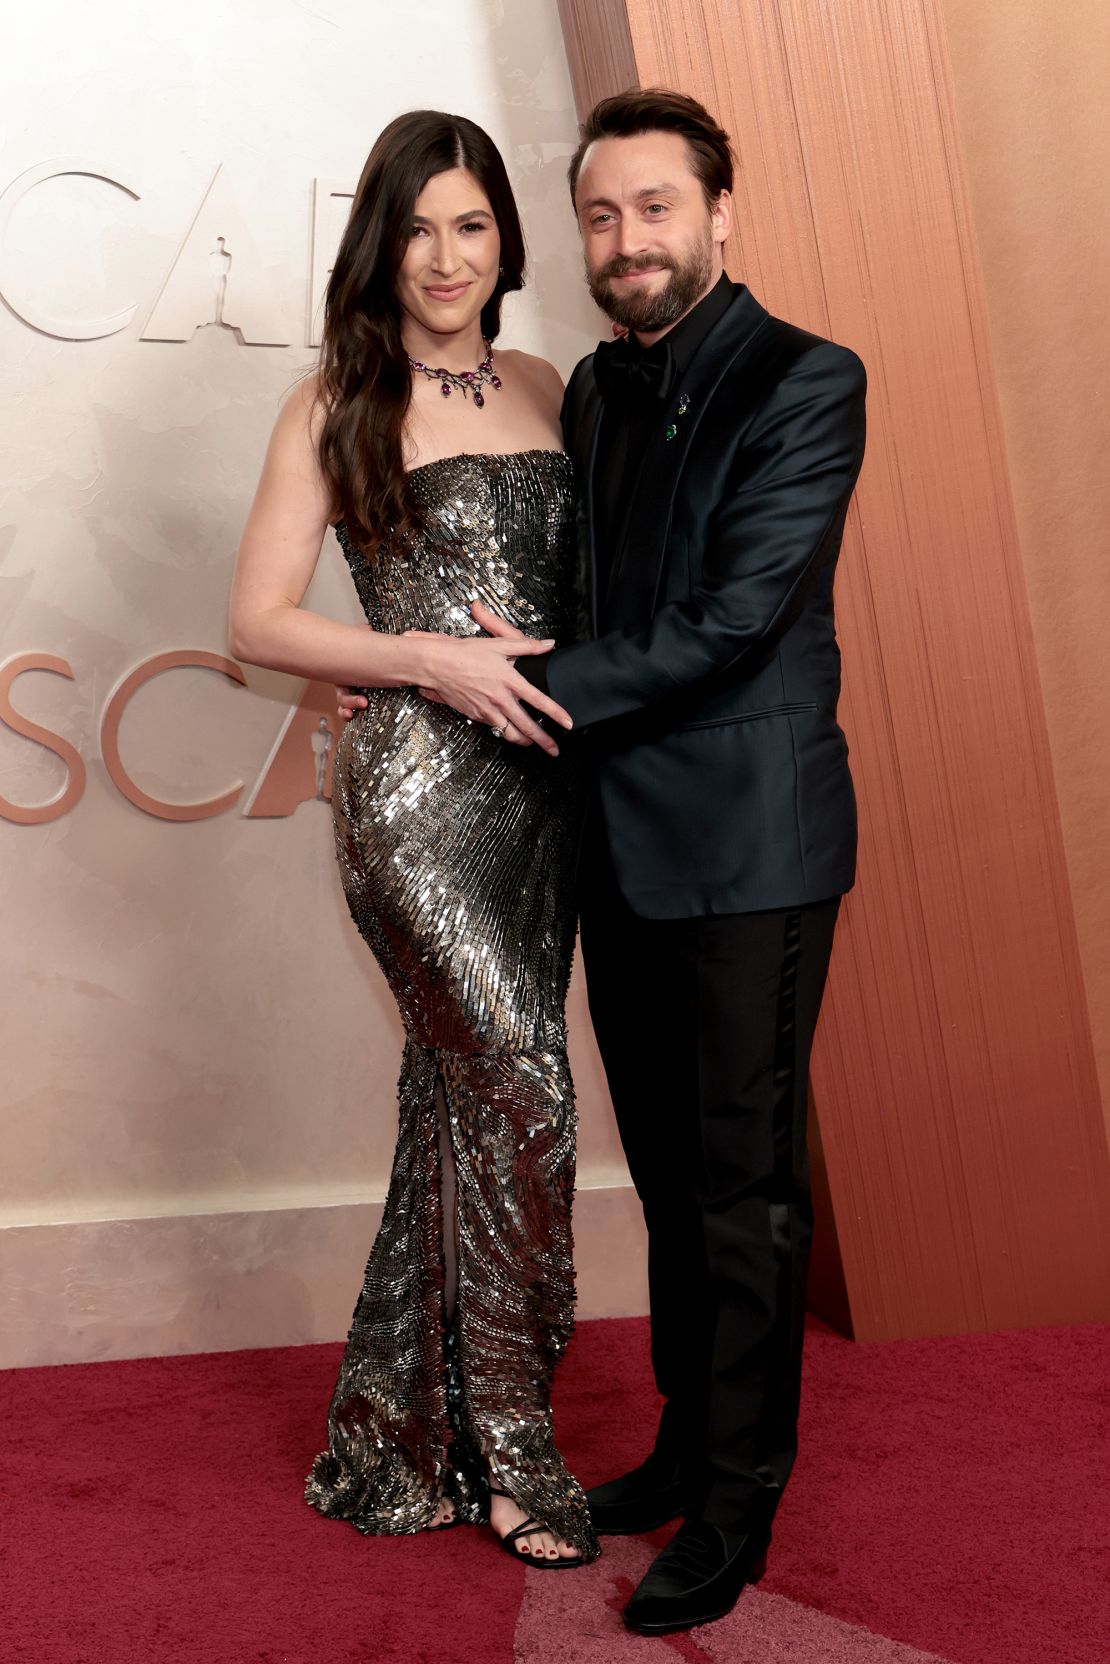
(658, 110)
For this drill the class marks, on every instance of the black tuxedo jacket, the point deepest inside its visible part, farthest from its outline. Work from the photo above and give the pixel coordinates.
(707, 676)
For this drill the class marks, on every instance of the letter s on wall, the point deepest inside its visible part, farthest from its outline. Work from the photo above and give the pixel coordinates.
(11, 718)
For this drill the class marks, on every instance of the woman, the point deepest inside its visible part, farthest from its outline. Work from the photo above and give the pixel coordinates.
(441, 467)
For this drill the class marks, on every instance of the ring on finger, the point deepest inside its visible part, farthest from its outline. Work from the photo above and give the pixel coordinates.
(498, 733)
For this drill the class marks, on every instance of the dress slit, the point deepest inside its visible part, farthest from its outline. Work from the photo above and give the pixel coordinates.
(449, 1201)
(514, 1124)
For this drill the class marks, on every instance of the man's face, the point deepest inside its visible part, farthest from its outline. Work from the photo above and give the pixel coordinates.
(652, 245)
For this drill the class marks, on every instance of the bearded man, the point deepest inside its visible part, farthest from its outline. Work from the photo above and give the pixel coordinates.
(717, 448)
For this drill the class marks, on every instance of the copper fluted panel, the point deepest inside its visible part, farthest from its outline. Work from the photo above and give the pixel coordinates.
(827, 1291)
(954, 1080)
(599, 49)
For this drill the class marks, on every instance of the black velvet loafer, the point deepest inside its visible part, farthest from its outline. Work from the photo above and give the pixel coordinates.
(647, 1497)
(698, 1577)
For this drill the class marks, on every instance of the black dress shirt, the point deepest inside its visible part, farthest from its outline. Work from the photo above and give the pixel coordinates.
(626, 421)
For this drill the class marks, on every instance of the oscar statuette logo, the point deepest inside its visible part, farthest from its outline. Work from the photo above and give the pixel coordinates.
(297, 770)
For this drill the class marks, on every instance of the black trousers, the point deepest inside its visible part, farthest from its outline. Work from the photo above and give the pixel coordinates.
(705, 1027)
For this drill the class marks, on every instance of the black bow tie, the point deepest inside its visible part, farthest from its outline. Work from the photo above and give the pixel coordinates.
(625, 371)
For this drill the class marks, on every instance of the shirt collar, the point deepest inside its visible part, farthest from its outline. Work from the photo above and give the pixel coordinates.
(686, 336)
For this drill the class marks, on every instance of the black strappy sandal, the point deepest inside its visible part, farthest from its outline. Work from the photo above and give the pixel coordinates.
(532, 1528)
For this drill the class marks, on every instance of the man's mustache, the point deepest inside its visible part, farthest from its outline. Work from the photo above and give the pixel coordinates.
(621, 263)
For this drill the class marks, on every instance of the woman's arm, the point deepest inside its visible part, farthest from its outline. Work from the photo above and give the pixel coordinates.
(278, 555)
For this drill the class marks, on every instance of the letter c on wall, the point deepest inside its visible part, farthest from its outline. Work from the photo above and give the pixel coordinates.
(64, 329)
(109, 737)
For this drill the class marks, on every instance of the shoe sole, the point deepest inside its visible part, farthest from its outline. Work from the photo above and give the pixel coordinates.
(709, 1618)
(636, 1530)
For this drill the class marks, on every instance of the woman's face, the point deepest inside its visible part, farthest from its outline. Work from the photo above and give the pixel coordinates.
(450, 266)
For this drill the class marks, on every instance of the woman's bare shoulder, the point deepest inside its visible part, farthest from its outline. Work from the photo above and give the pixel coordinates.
(305, 399)
(300, 416)
(543, 376)
(294, 448)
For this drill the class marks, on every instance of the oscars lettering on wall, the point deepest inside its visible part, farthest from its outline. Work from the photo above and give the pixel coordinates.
(298, 768)
(215, 278)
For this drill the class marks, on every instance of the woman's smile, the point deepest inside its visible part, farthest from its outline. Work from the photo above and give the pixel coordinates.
(446, 291)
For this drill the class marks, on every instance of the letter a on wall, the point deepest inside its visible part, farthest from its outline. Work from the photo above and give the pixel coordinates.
(331, 208)
(299, 766)
(218, 278)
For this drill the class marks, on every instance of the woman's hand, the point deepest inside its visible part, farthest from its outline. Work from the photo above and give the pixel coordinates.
(476, 677)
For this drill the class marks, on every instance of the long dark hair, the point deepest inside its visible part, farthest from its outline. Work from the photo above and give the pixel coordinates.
(364, 381)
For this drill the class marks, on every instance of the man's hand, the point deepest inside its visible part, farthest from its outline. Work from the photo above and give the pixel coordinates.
(348, 701)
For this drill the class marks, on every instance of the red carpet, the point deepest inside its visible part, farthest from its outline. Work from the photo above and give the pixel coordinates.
(952, 1500)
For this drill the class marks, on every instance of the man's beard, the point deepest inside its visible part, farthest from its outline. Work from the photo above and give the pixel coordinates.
(647, 313)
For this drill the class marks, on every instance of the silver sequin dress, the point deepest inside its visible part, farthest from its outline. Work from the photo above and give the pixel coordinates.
(456, 851)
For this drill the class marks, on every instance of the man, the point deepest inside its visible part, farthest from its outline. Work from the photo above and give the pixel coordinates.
(717, 449)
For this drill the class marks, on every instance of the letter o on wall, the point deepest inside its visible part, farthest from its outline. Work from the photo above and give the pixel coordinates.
(63, 329)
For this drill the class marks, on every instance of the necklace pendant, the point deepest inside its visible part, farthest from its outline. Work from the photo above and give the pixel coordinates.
(467, 381)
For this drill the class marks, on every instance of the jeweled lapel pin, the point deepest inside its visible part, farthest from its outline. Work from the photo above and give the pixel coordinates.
(683, 407)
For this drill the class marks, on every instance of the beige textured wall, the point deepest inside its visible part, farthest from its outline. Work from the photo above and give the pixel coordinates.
(191, 1028)
(1030, 81)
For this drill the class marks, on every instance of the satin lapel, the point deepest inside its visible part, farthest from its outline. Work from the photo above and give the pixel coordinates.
(587, 427)
(636, 572)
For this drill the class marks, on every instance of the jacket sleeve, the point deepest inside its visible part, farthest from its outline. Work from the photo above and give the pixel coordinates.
(765, 543)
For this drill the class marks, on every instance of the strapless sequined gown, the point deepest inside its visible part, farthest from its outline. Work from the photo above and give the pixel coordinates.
(456, 853)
